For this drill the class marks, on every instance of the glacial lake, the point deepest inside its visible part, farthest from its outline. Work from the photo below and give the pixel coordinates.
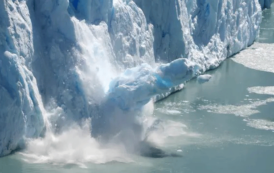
(224, 125)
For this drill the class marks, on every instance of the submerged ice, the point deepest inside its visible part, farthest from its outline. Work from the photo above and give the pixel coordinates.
(77, 57)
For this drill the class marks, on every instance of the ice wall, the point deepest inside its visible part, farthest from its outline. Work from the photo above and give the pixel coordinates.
(216, 28)
(21, 106)
(131, 35)
(265, 3)
(63, 54)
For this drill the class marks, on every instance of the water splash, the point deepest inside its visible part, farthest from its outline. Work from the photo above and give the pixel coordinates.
(74, 146)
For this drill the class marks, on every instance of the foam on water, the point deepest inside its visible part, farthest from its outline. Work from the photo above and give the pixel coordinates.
(166, 134)
(269, 90)
(248, 109)
(74, 146)
(255, 140)
(260, 124)
(169, 111)
(259, 56)
(241, 110)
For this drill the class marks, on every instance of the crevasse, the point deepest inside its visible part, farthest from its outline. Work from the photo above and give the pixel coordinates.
(265, 3)
(72, 55)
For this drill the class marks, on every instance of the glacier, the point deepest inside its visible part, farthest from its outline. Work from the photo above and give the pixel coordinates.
(81, 56)
(265, 3)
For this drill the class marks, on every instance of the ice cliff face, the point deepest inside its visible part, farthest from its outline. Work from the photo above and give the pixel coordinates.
(183, 27)
(20, 101)
(265, 3)
(62, 55)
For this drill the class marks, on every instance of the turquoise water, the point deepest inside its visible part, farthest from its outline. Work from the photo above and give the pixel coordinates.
(218, 126)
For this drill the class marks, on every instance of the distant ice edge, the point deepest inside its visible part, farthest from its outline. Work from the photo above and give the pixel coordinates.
(63, 54)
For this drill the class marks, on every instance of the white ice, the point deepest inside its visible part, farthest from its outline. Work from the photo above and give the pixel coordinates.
(258, 57)
(204, 78)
